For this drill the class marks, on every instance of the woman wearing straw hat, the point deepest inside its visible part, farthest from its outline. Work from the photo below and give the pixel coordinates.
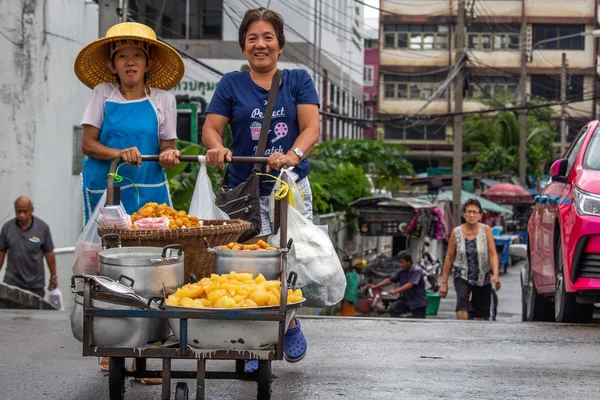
(131, 113)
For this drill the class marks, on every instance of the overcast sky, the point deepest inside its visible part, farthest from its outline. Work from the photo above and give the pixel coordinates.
(371, 18)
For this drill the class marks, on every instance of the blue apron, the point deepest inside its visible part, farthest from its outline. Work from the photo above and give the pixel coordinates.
(127, 124)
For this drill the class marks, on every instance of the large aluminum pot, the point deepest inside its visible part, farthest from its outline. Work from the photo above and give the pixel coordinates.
(149, 268)
(232, 334)
(266, 262)
(112, 332)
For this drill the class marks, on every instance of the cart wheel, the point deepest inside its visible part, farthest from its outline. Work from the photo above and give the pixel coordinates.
(181, 391)
(116, 378)
(264, 379)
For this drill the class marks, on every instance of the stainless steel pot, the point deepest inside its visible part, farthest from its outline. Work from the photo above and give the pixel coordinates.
(266, 262)
(150, 268)
(112, 332)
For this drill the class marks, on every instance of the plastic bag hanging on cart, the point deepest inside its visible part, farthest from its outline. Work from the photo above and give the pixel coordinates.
(296, 199)
(314, 259)
(88, 244)
(203, 201)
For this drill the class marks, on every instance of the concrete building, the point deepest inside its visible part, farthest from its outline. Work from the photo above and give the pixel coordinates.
(41, 106)
(370, 85)
(417, 47)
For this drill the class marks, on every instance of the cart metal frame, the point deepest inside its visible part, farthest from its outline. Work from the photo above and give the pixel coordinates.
(181, 350)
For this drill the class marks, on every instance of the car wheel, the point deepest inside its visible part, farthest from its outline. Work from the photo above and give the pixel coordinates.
(534, 306)
(566, 308)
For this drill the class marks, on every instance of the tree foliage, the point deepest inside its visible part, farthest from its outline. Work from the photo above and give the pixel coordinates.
(491, 143)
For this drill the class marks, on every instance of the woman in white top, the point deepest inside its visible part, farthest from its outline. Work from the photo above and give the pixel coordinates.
(131, 113)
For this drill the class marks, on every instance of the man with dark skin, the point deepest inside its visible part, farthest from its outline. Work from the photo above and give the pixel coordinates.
(26, 240)
(412, 285)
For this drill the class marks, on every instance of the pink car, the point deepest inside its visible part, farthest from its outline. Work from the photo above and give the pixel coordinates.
(562, 280)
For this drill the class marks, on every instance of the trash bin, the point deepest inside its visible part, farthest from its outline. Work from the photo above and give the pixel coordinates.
(433, 303)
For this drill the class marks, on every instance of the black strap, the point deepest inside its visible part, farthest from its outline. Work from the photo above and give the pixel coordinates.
(266, 124)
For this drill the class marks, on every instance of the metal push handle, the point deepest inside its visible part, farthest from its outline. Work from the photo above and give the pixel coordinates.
(110, 185)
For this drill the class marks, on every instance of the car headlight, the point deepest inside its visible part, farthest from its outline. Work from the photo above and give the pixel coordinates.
(587, 203)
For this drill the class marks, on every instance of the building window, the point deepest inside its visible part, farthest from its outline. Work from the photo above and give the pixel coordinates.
(415, 36)
(548, 87)
(370, 44)
(368, 112)
(493, 37)
(368, 75)
(206, 18)
(491, 86)
(394, 131)
(552, 31)
(411, 87)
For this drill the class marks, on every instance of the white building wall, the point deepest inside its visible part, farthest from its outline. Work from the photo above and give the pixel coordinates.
(41, 101)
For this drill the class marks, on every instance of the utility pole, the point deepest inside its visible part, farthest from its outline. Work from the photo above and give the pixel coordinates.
(107, 15)
(563, 106)
(459, 81)
(523, 103)
(325, 104)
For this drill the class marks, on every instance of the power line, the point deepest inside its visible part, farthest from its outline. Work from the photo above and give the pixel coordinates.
(486, 111)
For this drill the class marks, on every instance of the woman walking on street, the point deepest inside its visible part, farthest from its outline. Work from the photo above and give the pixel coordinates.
(240, 101)
(473, 259)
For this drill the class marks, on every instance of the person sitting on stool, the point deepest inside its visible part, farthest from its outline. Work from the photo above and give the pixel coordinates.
(412, 286)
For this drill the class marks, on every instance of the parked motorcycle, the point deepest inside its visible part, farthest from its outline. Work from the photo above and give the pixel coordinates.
(432, 268)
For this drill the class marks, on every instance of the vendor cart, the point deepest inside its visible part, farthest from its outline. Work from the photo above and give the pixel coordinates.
(189, 326)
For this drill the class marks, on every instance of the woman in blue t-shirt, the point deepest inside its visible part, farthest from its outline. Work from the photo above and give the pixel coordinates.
(240, 101)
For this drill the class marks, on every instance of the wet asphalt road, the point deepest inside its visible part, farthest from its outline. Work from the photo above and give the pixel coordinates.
(348, 358)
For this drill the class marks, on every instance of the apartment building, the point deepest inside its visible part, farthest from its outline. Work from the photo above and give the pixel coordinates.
(323, 37)
(417, 53)
(370, 85)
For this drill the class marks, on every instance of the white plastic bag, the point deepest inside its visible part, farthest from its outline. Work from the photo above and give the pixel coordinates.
(313, 258)
(203, 201)
(88, 244)
(55, 298)
(296, 200)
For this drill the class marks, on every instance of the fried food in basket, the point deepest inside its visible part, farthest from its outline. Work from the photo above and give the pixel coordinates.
(231, 290)
(260, 245)
(177, 219)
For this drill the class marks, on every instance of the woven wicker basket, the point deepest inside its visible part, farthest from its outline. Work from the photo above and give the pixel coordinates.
(197, 259)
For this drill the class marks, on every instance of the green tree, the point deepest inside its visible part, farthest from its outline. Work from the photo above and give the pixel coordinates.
(491, 143)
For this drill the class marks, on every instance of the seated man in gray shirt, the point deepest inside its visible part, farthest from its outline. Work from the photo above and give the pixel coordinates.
(27, 240)
(413, 302)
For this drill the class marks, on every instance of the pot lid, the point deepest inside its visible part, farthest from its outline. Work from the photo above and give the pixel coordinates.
(112, 286)
(139, 256)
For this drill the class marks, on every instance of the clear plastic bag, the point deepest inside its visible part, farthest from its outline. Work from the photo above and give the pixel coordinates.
(55, 298)
(203, 201)
(313, 257)
(88, 244)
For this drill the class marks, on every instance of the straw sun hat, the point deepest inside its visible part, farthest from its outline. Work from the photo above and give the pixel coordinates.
(91, 64)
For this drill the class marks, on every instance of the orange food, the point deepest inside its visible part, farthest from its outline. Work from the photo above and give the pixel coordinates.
(177, 219)
(260, 245)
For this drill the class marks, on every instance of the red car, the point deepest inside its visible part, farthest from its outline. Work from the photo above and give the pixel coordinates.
(562, 280)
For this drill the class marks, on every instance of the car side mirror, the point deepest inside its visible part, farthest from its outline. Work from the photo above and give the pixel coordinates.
(559, 168)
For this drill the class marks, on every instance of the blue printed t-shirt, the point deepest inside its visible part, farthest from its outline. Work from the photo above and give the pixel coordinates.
(244, 102)
(416, 296)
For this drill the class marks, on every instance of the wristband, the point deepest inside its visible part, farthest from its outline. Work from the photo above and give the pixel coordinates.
(53, 276)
